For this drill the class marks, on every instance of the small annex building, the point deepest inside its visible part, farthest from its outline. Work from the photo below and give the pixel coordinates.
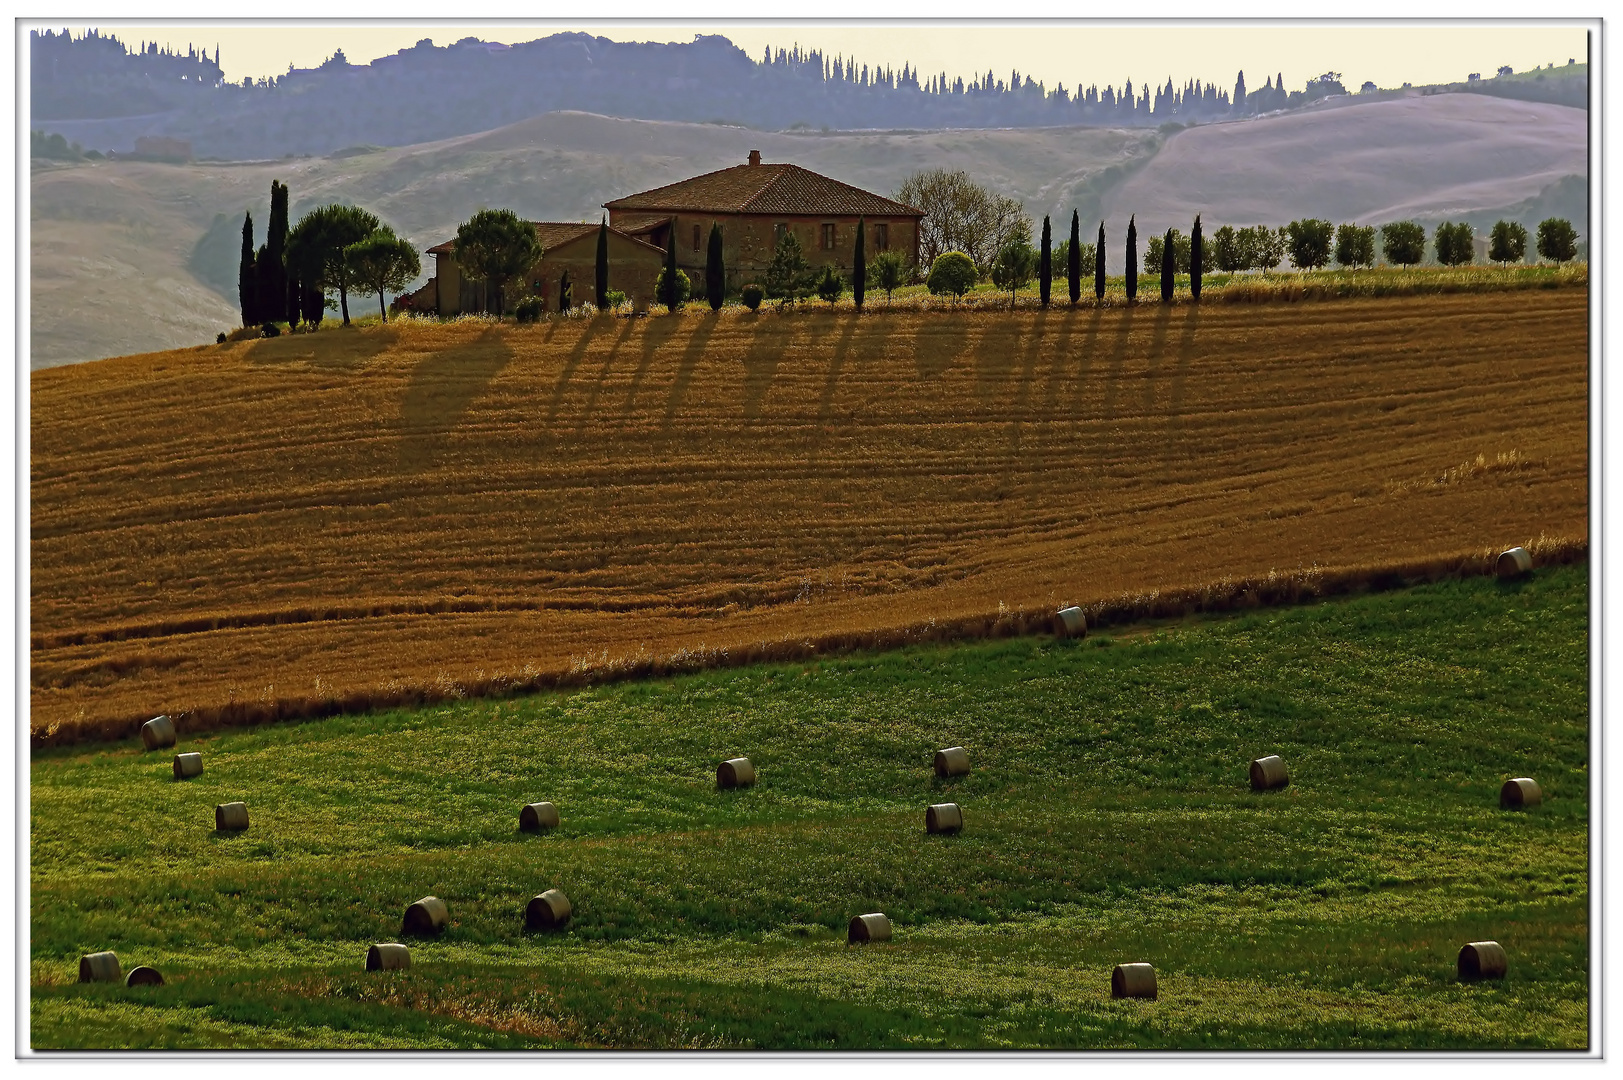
(755, 204)
(566, 247)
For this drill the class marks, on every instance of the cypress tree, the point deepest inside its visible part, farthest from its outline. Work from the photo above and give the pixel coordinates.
(1169, 267)
(1195, 260)
(265, 282)
(1073, 261)
(715, 276)
(273, 276)
(668, 285)
(290, 302)
(566, 293)
(602, 282)
(247, 281)
(859, 266)
(1045, 264)
(1099, 265)
(1132, 259)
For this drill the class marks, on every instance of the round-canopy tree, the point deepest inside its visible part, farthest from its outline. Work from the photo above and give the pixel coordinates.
(952, 272)
(496, 246)
(317, 247)
(382, 262)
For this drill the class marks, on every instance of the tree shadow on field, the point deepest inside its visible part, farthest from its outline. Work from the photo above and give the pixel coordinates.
(1090, 345)
(339, 349)
(1180, 374)
(771, 337)
(940, 340)
(831, 385)
(577, 352)
(585, 415)
(1124, 332)
(995, 356)
(698, 342)
(1158, 344)
(442, 387)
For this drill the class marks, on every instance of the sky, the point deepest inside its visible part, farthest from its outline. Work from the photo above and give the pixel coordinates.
(1071, 52)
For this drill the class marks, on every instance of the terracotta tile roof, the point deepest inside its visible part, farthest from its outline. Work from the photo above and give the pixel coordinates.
(765, 189)
(558, 233)
(640, 223)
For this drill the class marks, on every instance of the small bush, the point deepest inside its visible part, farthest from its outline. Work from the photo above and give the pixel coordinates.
(529, 309)
(220, 340)
(830, 285)
(270, 329)
(752, 296)
(245, 333)
(953, 273)
(613, 299)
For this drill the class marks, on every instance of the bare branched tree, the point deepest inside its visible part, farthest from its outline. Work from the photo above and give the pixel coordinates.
(961, 215)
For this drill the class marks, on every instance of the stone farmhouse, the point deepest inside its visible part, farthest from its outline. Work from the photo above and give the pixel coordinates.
(754, 204)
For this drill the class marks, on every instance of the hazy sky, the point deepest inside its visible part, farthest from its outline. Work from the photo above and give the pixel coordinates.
(1069, 52)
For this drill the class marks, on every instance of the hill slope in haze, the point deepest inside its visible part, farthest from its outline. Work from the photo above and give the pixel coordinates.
(159, 232)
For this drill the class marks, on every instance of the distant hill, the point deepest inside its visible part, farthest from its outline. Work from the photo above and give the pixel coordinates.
(135, 256)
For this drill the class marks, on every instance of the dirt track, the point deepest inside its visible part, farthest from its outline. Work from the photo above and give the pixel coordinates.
(584, 492)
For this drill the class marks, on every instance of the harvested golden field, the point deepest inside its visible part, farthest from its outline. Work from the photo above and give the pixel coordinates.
(292, 525)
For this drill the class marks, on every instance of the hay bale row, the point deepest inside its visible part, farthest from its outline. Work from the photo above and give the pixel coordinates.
(158, 733)
(104, 967)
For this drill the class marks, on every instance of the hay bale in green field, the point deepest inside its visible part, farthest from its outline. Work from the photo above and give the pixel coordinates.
(158, 733)
(188, 766)
(1268, 773)
(425, 916)
(231, 816)
(1520, 792)
(1481, 960)
(1514, 563)
(99, 967)
(143, 976)
(548, 911)
(874, 926)
(953, 761)
(1070, 622)
(1133, 981)
(944, 818)
(388, 956)
(735, 772)
(538, 816)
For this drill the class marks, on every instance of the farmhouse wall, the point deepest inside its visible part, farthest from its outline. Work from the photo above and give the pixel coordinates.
(747, 241)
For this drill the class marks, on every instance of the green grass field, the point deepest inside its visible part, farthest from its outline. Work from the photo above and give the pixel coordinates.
(1108, 820)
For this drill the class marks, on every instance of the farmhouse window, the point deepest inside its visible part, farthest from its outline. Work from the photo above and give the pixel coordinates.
(695, 238)
(881, 237)
(828, 237)
(779, 231)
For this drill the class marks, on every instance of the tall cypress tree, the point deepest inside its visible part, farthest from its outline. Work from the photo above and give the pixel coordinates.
(1045, 264)
(1195, 260)
(602, 282)
(715, 277)
(264, 279)
(1073, 259)
(1099, 265)
(859, 266)
(273, 275)
(668, 281)
(1169, 267)
(247, 280)
(1132, 259)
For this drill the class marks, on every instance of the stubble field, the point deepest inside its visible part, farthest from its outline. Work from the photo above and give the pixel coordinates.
(252, 530)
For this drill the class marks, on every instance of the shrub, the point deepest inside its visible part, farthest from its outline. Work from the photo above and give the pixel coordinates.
(830, 285)
(674, 288)
(529, 309)
(245, 333)
(752, 296)
(890, 271)
(612, 299)
(270, 329)
(952, 272)
(220, 340)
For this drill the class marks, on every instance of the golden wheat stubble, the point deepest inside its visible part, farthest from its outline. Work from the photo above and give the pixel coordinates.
(419, 505)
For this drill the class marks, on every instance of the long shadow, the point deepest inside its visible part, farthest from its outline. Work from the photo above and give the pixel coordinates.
(442, 387)
(698, 342)
(1056, 369)
(1090, 344)
(1180, 375)
(1022, 401)
(772, 334)
(939, 342)
(571, 362)
(602, 376)
(1118, 355)
(831, 385)
(1158, 344)
(336, 349)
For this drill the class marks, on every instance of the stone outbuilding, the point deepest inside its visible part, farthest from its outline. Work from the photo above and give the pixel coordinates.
(567, 247)
(755, 204)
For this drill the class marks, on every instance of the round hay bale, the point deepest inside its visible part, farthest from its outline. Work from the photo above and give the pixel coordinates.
(537, 816)
(1481, 960)
(549, 911)
(871, 927)
(943, 818)
(1268, 773)
(99, 967)
(735, 772)
(426, 916)
(143, 976)
(388, 956)
(1070, 622)
(1520, 792)
(188, 766)
(1515, 563)
(157, 733)
(1133, 981)
(953, 761)
(231, 815)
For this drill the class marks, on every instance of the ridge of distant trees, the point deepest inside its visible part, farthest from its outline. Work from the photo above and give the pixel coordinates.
(430, 92)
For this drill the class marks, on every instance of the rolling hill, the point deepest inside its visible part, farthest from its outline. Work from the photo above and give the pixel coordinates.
(169, 235)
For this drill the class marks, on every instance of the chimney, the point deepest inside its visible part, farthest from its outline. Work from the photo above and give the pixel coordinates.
(755, 157)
